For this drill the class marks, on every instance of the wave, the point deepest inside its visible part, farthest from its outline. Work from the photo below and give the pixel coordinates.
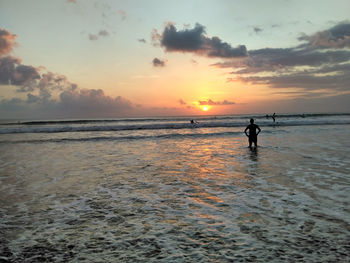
(174, 119)
(125, 138)
(161, 126)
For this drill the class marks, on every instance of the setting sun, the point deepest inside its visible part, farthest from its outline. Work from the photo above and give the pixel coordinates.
(205, 108)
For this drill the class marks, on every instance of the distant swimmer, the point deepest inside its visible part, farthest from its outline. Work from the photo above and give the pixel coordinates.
(253, 135)
(273, 116)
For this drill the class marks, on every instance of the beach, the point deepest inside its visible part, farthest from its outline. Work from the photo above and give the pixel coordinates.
(166, 190)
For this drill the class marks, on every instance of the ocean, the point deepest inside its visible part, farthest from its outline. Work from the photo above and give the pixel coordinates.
(166, 190)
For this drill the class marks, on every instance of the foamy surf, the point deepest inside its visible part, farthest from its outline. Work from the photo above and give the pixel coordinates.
(176, 195)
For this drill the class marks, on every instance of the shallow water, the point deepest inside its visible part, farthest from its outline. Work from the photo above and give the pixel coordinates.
(186, 198)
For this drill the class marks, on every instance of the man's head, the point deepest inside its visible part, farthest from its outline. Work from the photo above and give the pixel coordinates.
(251, 121)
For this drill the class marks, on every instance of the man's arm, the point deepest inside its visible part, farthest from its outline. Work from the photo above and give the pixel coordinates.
(245, 131)
(259, 130)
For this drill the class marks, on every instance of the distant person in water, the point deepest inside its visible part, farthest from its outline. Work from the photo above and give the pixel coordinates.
(253, 135)
(273, 117)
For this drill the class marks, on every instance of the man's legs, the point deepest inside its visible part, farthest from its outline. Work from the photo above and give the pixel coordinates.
(254, 140)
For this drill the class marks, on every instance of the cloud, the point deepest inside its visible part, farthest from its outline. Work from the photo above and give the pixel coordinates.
(195, 41)
(49, 94)
(122, 14)
(216, 103)
(28, 79)
(158, 63)
(303, 81)
(257, 29)
(87, 100)
(194, 62)
(45, 94)
(181, 102)
(12, 72)
(103, 33)
(93, 37)
(7, 41)
(322, 63)
(335, 37)
(284, 60)
(76, 103)
(142, 40)
(329, 103)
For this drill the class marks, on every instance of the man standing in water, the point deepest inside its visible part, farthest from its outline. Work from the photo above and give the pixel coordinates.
(253, 135)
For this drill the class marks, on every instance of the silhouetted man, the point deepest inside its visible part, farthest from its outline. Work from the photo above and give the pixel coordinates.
(253, 135)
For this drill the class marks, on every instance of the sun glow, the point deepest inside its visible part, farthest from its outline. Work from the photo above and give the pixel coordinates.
(205, 108)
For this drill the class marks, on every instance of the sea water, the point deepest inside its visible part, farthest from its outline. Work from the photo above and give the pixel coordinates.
(166, 190)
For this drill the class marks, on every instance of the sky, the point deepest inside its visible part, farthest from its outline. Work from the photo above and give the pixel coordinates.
(133, 58)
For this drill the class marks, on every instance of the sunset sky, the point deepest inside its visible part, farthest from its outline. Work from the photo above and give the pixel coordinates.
(95, 59)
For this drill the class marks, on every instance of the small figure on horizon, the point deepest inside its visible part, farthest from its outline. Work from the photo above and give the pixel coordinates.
(273, 117)
(253, 135)
(194, 122)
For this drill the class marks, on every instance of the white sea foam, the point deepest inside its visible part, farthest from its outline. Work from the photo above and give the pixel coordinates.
(196, 195)
(91, 127)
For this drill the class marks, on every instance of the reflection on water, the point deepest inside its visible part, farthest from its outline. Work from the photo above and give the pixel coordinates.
(253, 154)
(182, 200)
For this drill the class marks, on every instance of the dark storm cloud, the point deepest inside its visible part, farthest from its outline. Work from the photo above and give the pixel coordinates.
(216, 103)
(195, 41)
(335, 37)
(7, 41)
(158, 63)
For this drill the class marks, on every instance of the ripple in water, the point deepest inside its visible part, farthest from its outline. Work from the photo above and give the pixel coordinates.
(167, 200)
